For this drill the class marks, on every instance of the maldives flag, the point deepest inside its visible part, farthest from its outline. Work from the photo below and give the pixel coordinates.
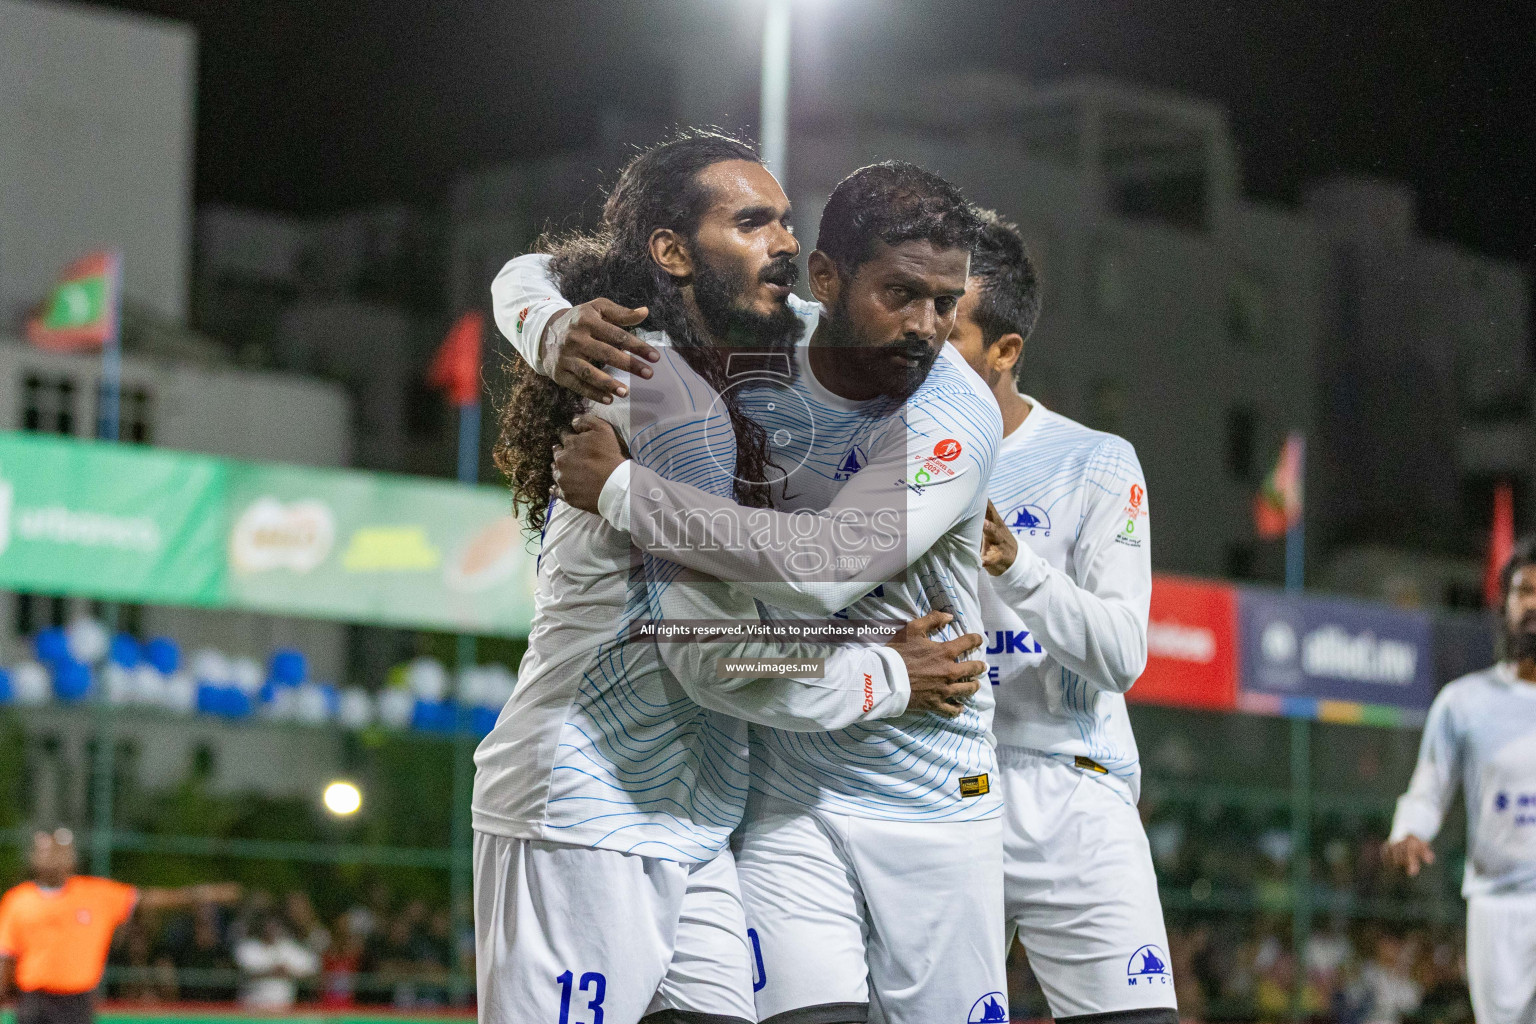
(1277, 507)
(456, 367)
(81, 312)
(1501, 543)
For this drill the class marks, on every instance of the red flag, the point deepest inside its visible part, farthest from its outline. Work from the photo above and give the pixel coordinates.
(456, 367)
(1277, 506)
(81, 311)
(1501, 542)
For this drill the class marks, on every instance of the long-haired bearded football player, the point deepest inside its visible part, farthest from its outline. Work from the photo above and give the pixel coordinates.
(870, 857)
(606, 793)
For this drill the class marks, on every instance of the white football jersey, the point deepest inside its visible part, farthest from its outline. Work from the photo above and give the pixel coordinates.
(1067, 622)
(926, 462)
(1480, 735)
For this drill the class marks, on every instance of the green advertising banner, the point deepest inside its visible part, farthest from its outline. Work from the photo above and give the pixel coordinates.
(153, 526)
(366, 547)
(111, 521)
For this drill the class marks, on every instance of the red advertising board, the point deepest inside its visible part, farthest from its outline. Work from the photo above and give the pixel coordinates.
(1192, 657)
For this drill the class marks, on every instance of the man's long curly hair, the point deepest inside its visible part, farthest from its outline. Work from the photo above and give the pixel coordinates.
(660, 188)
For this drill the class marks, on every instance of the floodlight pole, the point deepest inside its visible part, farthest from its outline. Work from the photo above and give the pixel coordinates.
(460, 847)
(108, 428)
(773, 113)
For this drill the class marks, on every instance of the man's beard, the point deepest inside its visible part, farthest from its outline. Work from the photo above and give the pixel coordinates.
(897, 384)
(719, 294)
(1521, 644)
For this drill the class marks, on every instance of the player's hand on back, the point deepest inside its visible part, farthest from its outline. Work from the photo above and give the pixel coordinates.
(584, 338)
(1409, 853)
(999, 547)
(941, 682)
(587, 455)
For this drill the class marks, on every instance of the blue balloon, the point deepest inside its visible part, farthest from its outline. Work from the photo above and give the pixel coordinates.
(483, 720)
(288, 667)
(332, 699)
(435, 716)
(163, 653)
(51, 645)
(125, 651)
(6, 693)
(71, 680)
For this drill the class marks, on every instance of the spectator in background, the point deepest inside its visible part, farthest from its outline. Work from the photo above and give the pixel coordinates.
(203, 952)
(272, 962)
(305, 923)
(1386, 992)
(340, 965)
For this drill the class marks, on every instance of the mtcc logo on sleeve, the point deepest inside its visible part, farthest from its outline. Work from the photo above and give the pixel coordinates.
(1147, 966)
(991, 1008)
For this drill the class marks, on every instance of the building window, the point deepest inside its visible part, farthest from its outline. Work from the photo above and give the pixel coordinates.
(1242, 428)
(39, 611)
(137, 416)
(48, 404)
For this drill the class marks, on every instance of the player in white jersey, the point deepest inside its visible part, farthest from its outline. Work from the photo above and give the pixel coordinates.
(1480, 738)
(1065, 608)
(606, 792)
(870, 859)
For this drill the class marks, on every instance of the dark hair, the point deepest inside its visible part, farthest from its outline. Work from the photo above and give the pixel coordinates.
(891, 203)
(1523, 555)
(1009, 302)
(659, 188)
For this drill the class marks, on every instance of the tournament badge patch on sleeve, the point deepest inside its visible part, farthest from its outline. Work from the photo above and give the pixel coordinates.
(974, 785)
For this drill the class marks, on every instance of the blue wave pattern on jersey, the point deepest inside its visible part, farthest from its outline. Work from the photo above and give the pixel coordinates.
(1060, 461)
(907, 768)
(665, 777)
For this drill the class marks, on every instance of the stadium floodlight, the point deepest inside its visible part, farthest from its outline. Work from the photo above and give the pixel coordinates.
(342, 798)
(773, 111)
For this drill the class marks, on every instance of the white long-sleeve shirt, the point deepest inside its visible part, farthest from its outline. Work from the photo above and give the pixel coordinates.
(926, 461)
(1067, 622)
(1480, 735)
(629, 744)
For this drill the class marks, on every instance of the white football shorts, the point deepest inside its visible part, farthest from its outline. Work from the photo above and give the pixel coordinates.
(1079, 889)
(860, 918)
(577, 935)
(1501, 958)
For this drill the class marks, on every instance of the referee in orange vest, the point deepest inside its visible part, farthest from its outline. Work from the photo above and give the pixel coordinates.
(55, 930)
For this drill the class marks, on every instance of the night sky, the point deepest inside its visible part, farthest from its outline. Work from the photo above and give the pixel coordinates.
(325, 105)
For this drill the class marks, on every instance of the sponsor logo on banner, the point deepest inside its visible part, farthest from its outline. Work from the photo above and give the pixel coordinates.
(58, 524)
(270, 535)
(1191, 646)
(1336, 650)
(492, 556)
(390, 549)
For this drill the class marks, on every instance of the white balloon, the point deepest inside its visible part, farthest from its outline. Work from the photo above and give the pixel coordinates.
(247, 674)
(470, 684)
(310, 706)
(179, 694)
(117, 684)
(283, 706)
(87, 641)
(356, 708)
(148, 685)
(30, 684)
(502, 683)
(395, 708)
(212, 666)
(427, 678)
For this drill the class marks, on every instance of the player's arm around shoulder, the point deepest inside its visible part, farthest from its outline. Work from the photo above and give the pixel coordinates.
(569, 344)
